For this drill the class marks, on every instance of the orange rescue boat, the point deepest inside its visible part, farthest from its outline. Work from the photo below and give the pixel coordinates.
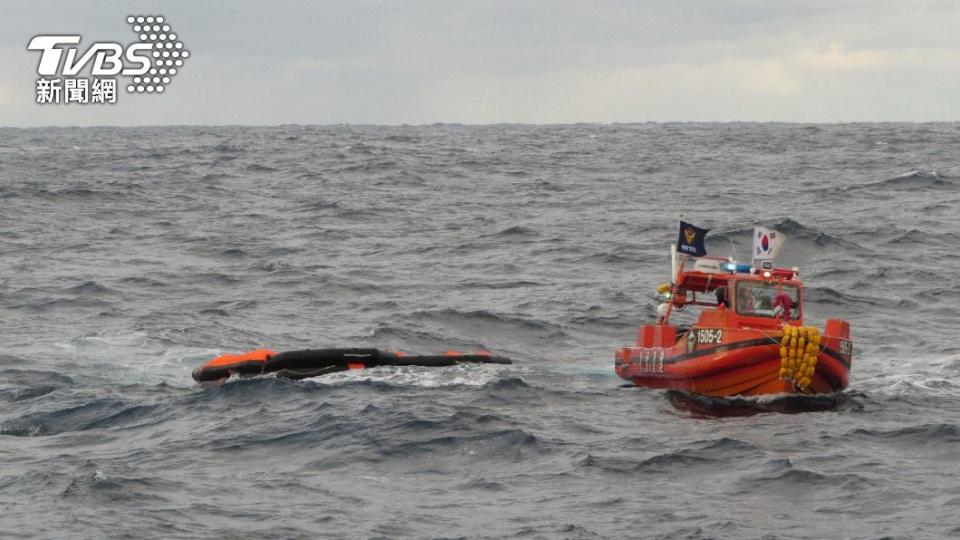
(749, 339)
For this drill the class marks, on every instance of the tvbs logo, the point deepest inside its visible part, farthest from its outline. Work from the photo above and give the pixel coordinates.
(150, 63)
(107, 57)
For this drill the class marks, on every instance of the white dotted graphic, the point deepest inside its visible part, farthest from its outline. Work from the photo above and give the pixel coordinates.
(167, 51)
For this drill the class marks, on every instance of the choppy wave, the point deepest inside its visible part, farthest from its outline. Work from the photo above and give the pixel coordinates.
(914, 180)
(136, 254)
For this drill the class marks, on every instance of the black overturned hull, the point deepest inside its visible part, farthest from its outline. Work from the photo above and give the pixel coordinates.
(316, 362)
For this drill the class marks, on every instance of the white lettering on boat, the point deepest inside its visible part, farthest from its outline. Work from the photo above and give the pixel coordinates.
(708, 335)
(846, 349)
(649, 360)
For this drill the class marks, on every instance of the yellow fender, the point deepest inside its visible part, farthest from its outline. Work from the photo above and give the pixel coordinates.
(799, 351)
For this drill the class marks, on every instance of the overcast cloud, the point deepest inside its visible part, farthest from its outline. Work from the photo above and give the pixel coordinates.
(416, 62)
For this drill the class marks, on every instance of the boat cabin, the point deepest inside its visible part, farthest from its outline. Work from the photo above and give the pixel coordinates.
(740, 295)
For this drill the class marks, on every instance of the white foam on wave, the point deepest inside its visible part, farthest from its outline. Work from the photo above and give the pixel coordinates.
(426, 377)
(137, 358)
(908, 375)
(592, 369)
(901, 384)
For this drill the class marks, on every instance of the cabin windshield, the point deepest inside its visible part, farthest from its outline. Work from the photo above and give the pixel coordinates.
(760, 299)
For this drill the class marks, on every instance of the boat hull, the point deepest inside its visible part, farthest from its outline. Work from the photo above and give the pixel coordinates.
(742, 362)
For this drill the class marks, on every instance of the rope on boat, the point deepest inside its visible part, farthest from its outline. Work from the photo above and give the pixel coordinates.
(799, 349)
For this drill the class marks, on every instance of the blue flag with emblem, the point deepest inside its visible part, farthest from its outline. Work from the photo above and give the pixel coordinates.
(691, 240)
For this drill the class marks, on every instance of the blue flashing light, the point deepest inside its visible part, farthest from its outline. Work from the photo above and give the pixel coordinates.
(738, 268)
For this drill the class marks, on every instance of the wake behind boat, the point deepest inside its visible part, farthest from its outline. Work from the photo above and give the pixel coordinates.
(749, 339)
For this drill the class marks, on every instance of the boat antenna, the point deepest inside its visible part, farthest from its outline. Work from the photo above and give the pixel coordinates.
(733, 247)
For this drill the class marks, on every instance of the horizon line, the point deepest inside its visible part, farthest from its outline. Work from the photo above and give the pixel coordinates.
(488, 124)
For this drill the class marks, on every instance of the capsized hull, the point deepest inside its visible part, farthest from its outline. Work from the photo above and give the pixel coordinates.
(317, 362)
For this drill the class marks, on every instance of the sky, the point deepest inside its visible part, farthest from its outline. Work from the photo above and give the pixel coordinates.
(511, 61)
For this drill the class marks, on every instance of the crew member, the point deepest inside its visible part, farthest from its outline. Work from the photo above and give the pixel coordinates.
(783, 305)
(722, 300)
(663, 296)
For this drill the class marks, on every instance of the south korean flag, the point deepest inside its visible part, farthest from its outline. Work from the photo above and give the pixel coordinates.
(766, 243)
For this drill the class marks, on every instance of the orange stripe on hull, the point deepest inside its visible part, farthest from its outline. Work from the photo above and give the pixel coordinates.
(753, 369)
(259, 355)
(767, 375)
(774, 385)
(721, 364)
(735, 381)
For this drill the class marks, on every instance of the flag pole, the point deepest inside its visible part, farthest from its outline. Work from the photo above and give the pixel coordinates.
(673, 263)
(673, 256)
